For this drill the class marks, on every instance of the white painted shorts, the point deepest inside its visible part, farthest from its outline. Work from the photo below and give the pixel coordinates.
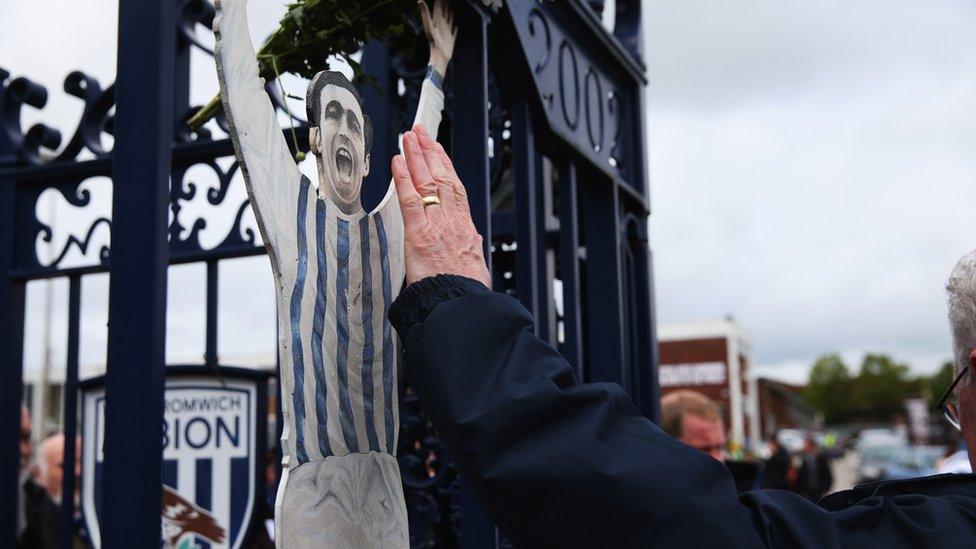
(350, 501)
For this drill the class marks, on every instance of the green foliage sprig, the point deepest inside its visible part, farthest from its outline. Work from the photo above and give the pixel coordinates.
(312, 31)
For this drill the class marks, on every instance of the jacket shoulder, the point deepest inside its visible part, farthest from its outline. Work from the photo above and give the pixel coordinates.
(937, 485)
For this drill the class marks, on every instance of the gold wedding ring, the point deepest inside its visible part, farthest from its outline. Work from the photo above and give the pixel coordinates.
(430, 200)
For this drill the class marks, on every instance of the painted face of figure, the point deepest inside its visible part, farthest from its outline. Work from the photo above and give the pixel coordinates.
(341, 147)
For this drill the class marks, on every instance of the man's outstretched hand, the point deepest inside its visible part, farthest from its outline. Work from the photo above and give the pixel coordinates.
(438, 238)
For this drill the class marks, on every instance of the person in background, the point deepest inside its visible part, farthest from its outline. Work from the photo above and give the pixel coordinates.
(956, 461)
(25, 441)
(50, 471)
(776, 472)
(43, 497)
(814, 478)
(694, 419)
(263, 536)
(25, 469)
(833, 445)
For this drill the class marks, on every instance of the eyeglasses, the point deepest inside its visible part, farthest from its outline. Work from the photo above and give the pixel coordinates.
(949, 404)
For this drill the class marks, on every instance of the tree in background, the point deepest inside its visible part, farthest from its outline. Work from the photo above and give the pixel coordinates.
(881, 387)
(829, 388)
(878, 391)
(933, 386)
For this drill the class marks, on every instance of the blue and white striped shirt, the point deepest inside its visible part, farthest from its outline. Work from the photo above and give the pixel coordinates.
(337, 275)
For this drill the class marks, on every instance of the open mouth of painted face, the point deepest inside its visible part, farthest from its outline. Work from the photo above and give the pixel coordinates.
(343, 163)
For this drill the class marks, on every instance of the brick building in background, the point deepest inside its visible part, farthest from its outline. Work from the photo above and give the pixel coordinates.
(715, 359)
(782, 407)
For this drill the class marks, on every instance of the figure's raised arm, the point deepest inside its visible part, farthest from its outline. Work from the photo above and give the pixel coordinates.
(441, 33)
(270, 172)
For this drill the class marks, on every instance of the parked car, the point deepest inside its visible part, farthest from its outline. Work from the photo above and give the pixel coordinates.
(912, 461)
(880, 437)
(873, 459)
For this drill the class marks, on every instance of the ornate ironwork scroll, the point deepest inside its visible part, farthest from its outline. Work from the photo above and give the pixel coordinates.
(40, 142)
(430, 480)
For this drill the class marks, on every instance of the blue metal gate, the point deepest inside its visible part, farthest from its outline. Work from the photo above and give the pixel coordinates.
(545, 121)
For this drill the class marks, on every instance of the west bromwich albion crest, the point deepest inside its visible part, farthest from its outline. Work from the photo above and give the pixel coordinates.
(210, 440)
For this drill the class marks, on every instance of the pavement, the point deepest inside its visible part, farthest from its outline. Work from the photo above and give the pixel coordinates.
(845, 472)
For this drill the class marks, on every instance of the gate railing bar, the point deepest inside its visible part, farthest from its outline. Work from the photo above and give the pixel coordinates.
(43, 174)
(635, 198)
(469, 114)
(651, 348)
(503, 223)
(12, 293)
(604, 284)
(70, 413)
(183, 153)
(569, 266)
(527, 254)
(469, 141)
(545, 253)
(643, 331)
(194, 256)
(134, 383)
(210, 354)
(380, 102)
(631, 320)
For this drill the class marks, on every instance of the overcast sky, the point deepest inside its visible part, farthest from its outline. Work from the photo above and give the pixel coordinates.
(812, 171)
(812, 174)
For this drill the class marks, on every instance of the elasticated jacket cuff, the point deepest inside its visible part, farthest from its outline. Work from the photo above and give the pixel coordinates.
(417, 300)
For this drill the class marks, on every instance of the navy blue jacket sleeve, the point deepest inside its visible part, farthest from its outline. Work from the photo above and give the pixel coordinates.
(563, 464)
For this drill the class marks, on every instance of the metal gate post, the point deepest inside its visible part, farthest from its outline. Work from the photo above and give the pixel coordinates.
(469, 137)
(132, 483)
(379, 100)
(469, 141)
(11, 359)
(604, 285)
(70, 408)
(11, 349)
(570, 266)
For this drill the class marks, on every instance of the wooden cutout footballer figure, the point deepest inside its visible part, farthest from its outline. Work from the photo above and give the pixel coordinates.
(337, 269)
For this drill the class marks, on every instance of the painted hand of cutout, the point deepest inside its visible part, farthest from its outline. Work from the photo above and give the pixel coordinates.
(441, 238)
(441, 32)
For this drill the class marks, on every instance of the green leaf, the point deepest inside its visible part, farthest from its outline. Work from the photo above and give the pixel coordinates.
(295, 14)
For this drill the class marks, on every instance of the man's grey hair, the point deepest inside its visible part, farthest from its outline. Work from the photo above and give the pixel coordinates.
(962, 308)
